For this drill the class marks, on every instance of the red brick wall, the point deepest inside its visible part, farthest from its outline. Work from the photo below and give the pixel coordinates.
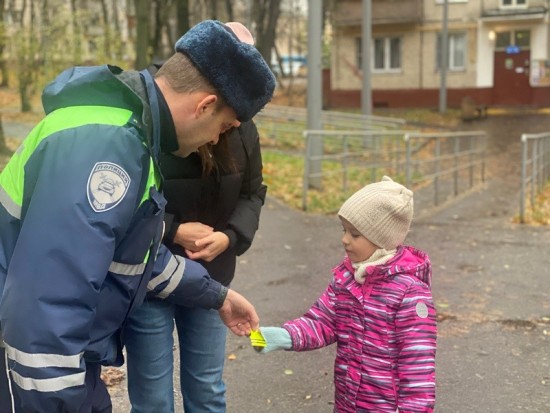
(420, 98)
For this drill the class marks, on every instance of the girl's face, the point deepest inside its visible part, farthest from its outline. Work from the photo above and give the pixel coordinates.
(357, 247)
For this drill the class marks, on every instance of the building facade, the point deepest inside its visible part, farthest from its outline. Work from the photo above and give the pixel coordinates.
(498, 53)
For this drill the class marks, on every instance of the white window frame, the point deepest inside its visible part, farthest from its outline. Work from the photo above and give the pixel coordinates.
(451, 1)
(514, 5)
(386, 69)
(387, 55)
(451, 38)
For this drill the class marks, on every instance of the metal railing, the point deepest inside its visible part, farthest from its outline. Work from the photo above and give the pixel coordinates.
(329, 118)
(448, 162)
(285, 124)
(535, 167)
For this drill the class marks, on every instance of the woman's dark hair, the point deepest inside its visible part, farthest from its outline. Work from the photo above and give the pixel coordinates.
(218, 157)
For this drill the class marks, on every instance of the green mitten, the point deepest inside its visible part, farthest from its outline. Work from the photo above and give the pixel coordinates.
(276, 339)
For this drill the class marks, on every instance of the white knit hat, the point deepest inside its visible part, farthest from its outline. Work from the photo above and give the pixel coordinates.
(382, 212)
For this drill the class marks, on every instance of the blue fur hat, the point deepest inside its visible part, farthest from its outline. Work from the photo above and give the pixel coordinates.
(235, 68)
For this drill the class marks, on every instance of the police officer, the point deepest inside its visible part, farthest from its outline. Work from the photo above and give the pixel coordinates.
(81, 214)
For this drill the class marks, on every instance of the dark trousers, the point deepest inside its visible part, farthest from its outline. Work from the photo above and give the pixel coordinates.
(97, 398)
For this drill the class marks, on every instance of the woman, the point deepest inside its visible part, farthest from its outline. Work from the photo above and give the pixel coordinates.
(214, 202)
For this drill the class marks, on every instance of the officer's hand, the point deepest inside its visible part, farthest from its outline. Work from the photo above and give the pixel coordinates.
(238, 314)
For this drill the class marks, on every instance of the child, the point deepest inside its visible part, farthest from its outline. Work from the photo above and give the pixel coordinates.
(378, 309)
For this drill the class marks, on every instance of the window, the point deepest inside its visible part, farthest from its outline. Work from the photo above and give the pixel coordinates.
(520, 38)
(456, 51)
(513, 3)
(386, 54)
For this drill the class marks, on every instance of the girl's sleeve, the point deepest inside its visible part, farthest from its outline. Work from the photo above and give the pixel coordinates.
(315, 329)
(416, 333)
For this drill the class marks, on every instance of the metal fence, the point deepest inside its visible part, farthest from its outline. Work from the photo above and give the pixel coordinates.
(535, 167)
(329, 119)
(287, 123)
(452, 162)
(447, 163)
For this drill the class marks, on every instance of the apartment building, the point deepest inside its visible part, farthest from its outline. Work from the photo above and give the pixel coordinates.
(498, 53)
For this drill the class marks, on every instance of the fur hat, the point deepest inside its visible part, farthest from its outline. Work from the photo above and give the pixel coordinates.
(225, 56)
(382, 212)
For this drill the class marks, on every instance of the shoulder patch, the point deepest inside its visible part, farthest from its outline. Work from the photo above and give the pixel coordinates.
(421, 309)
(107, 186)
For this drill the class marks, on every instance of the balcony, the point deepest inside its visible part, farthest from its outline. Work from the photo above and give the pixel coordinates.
(498, 10)
(349, 13)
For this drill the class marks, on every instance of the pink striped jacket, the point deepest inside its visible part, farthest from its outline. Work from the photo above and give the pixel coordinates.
(385, 332)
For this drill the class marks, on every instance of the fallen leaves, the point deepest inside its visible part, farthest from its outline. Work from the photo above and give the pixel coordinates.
(112, 376)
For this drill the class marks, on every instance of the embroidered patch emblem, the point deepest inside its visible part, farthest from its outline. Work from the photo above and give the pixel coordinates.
(421, 310)
(107, 186)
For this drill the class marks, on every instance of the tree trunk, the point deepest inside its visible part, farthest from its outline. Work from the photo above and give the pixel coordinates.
(27, 67)
(213, 9)
(107, 26)
(229, 10)
(77, 30)
(156, 40)
(265, 14)
(3, 65)
(183, 17)
(4, 72)
(142, 28)
(159, 43)
(3, 147)
(117, 32)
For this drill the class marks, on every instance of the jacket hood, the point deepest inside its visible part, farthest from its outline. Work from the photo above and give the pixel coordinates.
(408, 261)
(95, 85)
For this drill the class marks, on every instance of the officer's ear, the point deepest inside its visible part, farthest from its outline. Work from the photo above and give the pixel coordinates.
(206, 105)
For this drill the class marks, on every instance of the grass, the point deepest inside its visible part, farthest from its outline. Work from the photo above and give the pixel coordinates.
(283, 175)
(539, 214)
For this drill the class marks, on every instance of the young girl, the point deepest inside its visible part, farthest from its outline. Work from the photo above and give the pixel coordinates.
(378, 309)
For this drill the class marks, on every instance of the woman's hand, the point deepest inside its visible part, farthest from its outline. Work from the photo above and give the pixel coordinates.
(209, 247)
(188, 234)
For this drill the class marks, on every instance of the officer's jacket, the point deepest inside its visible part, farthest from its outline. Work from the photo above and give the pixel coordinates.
(81, 219)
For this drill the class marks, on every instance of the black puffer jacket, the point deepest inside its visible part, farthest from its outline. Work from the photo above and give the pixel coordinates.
(230, 202)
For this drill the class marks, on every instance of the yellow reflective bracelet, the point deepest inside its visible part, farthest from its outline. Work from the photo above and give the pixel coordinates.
(257, 340)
